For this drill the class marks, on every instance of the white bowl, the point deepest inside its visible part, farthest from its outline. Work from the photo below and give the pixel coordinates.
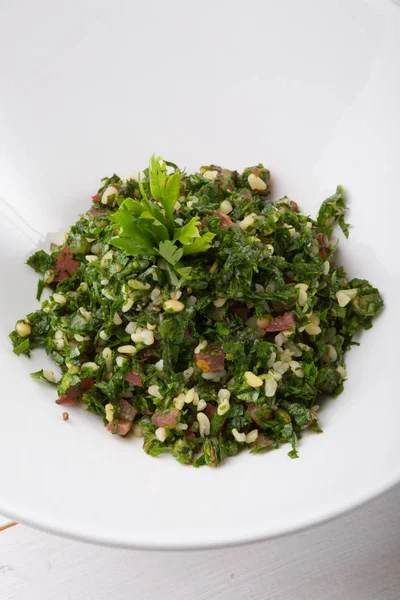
(310, 89)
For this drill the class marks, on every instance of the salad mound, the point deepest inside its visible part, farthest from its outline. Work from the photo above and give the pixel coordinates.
(194, 312)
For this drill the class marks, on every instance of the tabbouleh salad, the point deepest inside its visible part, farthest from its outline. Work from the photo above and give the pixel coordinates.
(194, 312)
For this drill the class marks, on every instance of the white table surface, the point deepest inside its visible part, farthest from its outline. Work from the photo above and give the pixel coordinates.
(356, 557)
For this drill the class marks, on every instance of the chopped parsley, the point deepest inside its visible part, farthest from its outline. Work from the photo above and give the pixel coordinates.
(194, 312)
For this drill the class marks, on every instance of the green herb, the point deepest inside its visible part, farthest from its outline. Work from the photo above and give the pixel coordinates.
(40, 288)
(145, 228)
(40, 261)
(20, 347)
(196, 312)
(46, 376)
(170, 252)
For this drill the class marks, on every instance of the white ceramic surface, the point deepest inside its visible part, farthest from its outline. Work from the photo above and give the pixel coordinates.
(356, 557)
(87, 88)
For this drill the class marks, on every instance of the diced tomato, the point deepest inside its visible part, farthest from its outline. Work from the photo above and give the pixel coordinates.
(210, 410)
(281, 323)
(86, 384)
(71, 397)
(95, 212)
(162, 419)
(96, 198)
(323, 240)
(251, 409)
(263, 412)
(123, 425)
(128, 412)
(262, 442)
(74, 394)
(324, 244)
(119, 427)
(211, 359)
(256, 171)
(224, 220)
(65, 265)
(134, 378)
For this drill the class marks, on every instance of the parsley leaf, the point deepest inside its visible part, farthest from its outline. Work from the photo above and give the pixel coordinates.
(132, 247)
(183, 271)
(170, 252)
(164, 188)
(145, 227)
(200, 244)
(22, 347)
(186, 234)
(40, 289)
(157, 177)
(171, 194)
(133, 206)
(154, 227)
(332, 211)
(40, 261)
